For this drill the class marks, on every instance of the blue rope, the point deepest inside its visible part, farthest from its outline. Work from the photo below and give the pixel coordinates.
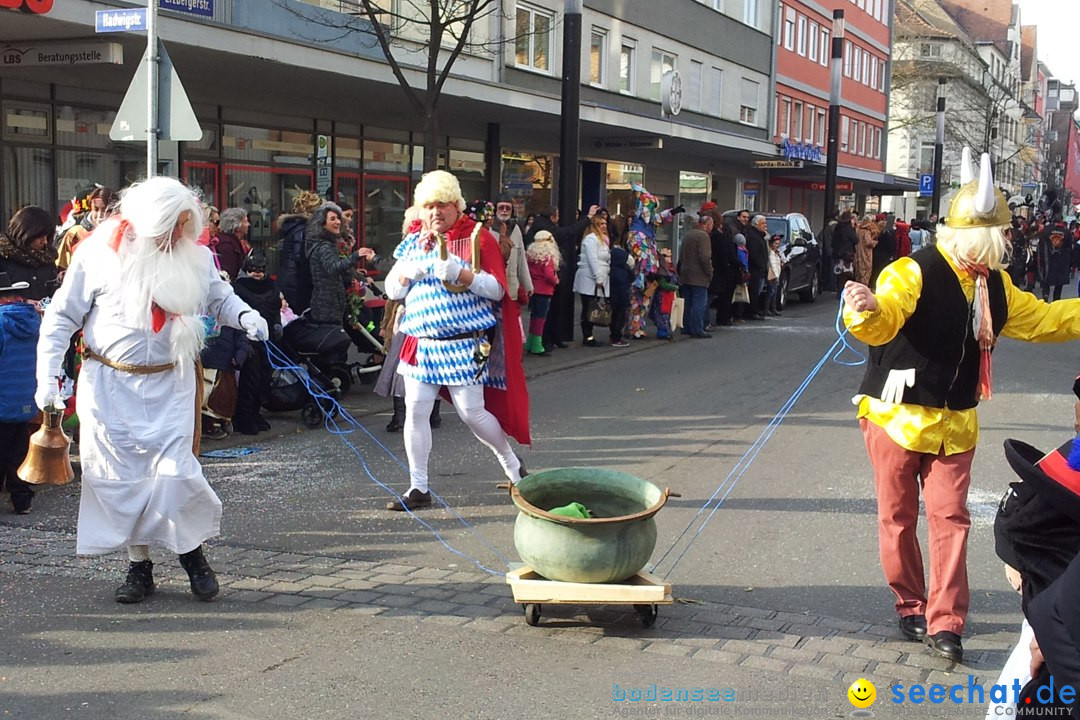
(747, 459)
(280, 361)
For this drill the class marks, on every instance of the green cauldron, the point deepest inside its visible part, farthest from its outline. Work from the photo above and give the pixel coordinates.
(612, 545)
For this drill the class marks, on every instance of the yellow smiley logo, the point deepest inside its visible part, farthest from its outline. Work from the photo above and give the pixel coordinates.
(862, 693)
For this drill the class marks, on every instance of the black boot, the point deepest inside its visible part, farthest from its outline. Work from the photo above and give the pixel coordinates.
(436, 419)
(204, 584)
(398, 420)
(139, 583)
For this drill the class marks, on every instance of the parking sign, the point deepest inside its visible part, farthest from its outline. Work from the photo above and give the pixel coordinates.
(926, 185)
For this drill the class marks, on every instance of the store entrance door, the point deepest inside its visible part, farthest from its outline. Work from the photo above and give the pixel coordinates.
(385, 199)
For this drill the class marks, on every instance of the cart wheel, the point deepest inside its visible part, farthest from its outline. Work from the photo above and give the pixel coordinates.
(532, 613)
(647, 613)
(311, 415)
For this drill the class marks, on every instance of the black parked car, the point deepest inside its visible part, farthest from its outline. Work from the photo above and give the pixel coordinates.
(799, 248)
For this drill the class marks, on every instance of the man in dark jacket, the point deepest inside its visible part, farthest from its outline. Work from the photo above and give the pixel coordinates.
(258, 290)
(844, 242)
(294, 275)
(695, 274)
(757, 250)
(559, 328)
(828, 278)
(727, 272)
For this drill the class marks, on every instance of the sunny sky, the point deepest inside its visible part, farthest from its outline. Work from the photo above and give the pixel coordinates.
(1059, 34)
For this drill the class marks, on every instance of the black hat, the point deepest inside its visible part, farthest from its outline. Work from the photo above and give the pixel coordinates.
(1037, 528)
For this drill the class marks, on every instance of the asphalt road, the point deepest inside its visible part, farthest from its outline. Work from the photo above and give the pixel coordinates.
(796, 533)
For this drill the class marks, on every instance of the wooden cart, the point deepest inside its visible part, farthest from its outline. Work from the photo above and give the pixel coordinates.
(644, 591)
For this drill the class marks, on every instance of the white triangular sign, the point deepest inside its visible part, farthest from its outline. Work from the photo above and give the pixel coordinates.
(176, 118)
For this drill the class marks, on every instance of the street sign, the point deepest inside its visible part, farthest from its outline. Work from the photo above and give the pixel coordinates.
(191, 7)
(176, 119)
(778, 164)
(133, 20)
(926, 185)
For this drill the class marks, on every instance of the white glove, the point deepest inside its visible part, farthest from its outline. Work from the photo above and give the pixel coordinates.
(48, 396)
(893, 392)
(447, 270)
(410, 270)
(254, 325)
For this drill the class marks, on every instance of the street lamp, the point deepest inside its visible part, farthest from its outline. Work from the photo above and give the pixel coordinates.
(833, 147)
(939, 149)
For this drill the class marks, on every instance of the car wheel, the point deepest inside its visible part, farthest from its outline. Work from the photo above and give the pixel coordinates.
(811, 293)
(781, 291)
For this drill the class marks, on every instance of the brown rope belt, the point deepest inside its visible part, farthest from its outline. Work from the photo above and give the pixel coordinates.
(127, 367)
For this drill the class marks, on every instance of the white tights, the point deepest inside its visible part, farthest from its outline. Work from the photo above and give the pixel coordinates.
(468, 400)
(138, 553)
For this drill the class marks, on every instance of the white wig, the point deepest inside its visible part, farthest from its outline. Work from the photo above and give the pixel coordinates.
(987, 246)
(162, 266)
(543, 247)
(439, 186)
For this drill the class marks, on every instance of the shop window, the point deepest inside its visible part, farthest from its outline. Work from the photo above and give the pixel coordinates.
(77, 172)
(265, 193)
(27, 180)
(25, 122)
(621, 177)
(84, 128)
(280, 147)
(348, 152)
(531, 180)
(203, 177)
(468, 167)
(385, 199)
(532, 38)
(384, 156)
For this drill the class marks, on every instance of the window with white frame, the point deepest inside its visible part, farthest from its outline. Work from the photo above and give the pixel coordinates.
(826, 47)
(627, 56)
(662, 62)
(715, 92)
(821, 122)
(884, 74)
(856, 62)
(811, 116)
(532, 38)
(692, 88)
(930, 49)
(780, 16)
(789, 28)
(598, 57)
(873, 72)
(866, 68)
(750, 12)
(814, 40)
(783, 116)
(801, 43)
(847, 59)
(862, 138)
(877, 143)
(845, 128)
(748, 104)
(797, 121)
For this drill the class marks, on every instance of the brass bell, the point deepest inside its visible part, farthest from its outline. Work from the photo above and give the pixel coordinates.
(47, 461)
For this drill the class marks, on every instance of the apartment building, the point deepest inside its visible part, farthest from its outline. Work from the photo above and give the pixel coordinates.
(296, 95)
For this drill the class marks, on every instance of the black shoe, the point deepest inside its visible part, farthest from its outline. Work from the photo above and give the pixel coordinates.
(947, 645)
(395, 424)
(913, 627)
(245, 426)
(411, 500)
(590, 342)
(22, 504)
(435, 420)
(522, 472)
(700, 335)
(561, 345)
(139, 583)
(774, 313)
(204, 584)
(261, 423)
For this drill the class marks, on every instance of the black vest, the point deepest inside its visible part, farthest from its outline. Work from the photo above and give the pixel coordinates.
(937, 340)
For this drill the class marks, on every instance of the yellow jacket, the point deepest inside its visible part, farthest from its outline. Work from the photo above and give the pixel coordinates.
(927, 429)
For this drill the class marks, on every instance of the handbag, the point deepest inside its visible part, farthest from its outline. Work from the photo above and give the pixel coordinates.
(599, 310)
(741, 294)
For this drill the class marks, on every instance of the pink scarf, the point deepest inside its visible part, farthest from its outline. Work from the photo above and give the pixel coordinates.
(983, 326)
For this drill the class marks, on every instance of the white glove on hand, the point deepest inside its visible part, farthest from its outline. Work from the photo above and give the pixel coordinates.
(447, 270)
(48, 396)
(255, 326)
(893, 392)
(410, 270)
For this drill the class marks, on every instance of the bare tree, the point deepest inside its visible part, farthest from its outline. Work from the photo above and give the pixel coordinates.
(436, 32)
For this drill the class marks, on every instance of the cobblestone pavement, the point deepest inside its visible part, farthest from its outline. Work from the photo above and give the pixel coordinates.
(798, 645)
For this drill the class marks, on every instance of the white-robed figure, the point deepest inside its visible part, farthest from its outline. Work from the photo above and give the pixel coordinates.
(139, 288)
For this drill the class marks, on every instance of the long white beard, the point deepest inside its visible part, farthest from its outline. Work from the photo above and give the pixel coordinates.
(177, 281)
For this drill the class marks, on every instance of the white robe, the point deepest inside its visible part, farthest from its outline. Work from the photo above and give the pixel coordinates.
(141, 482)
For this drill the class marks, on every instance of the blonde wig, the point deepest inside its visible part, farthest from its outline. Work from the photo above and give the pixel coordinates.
(543, 248)
(439, 186)
(988, 246)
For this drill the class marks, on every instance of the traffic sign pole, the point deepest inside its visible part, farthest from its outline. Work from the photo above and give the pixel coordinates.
(939, 149)
(152, 89)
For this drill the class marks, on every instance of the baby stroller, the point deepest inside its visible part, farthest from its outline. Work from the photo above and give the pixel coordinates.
(319, 352)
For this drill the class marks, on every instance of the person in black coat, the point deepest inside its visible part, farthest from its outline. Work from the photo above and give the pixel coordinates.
(757, 250)
(559, 328)
(620, 279)
(258, 290)
(844, 242)
(885, 250)
(727, 270)
(1055, 261)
